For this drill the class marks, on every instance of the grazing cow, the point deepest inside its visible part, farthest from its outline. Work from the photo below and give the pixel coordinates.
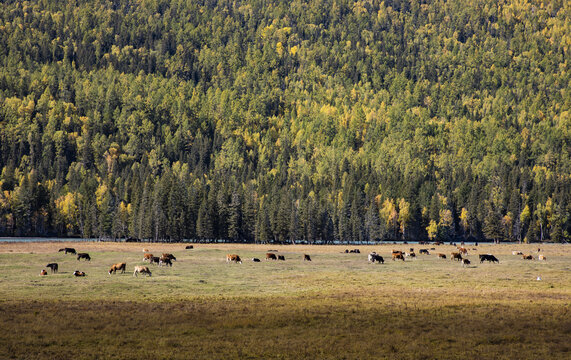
(456, 256)
(147, 257)
(83, 256)
(255, 260)
(541, 257)
(465, 262)
(346, 251)
(118, 266)
(67, 250)
(441, 256)
(141, 270)
(517, 253)
(188, 247)
(271, 256)
(355, 251)
(424, 251)
(527, 257)
(78, 273)
(398, 256)
(43, 272)
(145, 250)
(53, 267)
(411, 250)
(410, 254)
(154, 260)
(488, 257)
(165, 261)
(374, 257)
(281, 257)
(306, 257)
(463, 251)
(170, 256)
(233, 257)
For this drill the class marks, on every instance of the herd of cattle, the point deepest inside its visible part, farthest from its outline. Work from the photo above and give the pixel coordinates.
(166, 259)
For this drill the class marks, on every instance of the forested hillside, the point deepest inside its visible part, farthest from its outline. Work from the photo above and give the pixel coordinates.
(279, 120)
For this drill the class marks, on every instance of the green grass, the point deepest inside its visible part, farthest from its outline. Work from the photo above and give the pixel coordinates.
(337, 306)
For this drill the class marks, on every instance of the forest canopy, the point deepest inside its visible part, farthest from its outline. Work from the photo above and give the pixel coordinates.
(282, 121)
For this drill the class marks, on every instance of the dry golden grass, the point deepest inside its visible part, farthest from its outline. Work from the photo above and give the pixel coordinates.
(336, 307)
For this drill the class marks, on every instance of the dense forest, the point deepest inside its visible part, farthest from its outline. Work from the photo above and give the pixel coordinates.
(286, 120)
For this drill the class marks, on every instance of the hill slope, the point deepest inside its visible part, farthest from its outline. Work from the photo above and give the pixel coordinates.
(281, 120)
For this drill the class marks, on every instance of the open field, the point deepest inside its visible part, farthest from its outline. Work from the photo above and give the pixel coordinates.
(336, 307)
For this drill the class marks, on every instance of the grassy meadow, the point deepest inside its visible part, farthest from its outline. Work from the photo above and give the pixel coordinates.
(337, 306)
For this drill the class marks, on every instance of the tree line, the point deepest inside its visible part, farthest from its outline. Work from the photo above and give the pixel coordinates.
(285, 121)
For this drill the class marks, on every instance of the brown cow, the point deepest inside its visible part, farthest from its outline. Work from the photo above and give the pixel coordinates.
(154, 260)
(169, 256)
(43, 272)
(456, 256)
(145, 250)
(165, 261)
(233, 257)
(541, 257)
(78, 273)
(441, 256)
(118, 266)
(463, 250)
(271, 256)
(147, 256)
(306, 257)
(141, 270)
(527, 257)
(398, 256)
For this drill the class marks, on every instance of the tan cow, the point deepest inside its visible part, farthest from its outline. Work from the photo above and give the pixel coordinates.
(233, 257)
(141, 270)
(118, 266)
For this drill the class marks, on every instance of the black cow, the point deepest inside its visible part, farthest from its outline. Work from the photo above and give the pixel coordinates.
(53, 267)
(281, 257)
(67, 250)
(83, 256)
(488, 257)
(188, 247)
(255, 260)
(374, 257)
